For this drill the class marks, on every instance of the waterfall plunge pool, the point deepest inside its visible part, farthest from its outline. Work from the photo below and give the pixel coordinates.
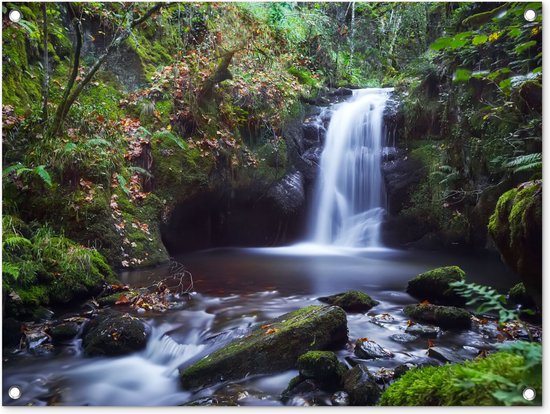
(237, 288)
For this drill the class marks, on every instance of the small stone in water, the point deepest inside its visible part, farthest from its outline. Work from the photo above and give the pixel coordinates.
(366, 349)
(340, 398)
(140, 311)
(403, 338)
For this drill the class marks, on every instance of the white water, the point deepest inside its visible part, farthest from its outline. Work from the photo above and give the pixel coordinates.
(349, 198)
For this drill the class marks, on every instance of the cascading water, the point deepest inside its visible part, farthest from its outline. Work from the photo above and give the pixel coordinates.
(349, 198)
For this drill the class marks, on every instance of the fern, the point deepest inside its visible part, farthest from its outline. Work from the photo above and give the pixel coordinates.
(17, 168)
(529, 162)
(141, 171)
(42, 173)
(164, 135)
(11, 269)
(97, 141)
(122, 182)
(10, 242)
(487, 299)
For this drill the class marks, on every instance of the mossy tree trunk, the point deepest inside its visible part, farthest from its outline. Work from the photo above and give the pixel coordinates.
(71, 94)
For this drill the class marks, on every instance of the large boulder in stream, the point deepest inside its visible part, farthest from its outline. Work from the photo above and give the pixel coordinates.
(433, 286)
(272, 347)
(113, 334)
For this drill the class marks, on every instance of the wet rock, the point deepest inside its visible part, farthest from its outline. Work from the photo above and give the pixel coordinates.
(447, 317)
(445, 355)
(36, 339)
(351, 301)
(272, 347)
(288, 193)
(340, 398)
(424, 331)
(114, 334)
(366, 349)
(400, 370)
(322, 366)
(113, 298)
(516, 228)
(518, 295)
(212, 402)
(42, 314)
(403, 338)
(310, 161)
(64, 331)
(341, 92)
(361, 386)
(416, 363)
(433, 286)
(400, 172)
(314, 134)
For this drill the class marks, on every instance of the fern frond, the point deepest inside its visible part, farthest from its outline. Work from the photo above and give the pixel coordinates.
(141, 171)
(97, 141)
(42, 173)
(529, 162)
(11, 269)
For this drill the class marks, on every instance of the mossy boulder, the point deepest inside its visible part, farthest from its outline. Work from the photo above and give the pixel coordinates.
(64, 331)
(433, 286)
(447, 317)
(113, 334)
(271, 347)
(351, 301)
(322, 366)
(361, 386)
(516, 228)
(517, 295)
(441, 386)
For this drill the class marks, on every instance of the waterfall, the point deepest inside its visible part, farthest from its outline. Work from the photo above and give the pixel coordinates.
(349, 196)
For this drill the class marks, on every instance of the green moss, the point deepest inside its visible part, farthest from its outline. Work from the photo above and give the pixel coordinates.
(441, 386)
(272, 347)
(517, 295)
(351, 301)
(448, 317)
(321, 365)
(433, 286)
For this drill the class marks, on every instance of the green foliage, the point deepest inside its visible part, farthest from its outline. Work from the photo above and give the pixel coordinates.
(167, 135)
(498, 379)
(486, 298)
(19, 170)
(48, 268)
(529, 162)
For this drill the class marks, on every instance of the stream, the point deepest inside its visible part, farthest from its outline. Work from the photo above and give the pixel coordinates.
(234, 289)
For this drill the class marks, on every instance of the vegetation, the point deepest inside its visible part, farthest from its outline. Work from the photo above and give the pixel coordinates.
(498, 379)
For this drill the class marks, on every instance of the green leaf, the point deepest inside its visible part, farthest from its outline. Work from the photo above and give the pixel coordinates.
(97, 141)
(141, 171)
(479, 40)
(15, 167)
(505, 84)
(520, 48)
(441, 43)
(11, 270)
(537, 70)
(122, 182)
(462, 75)
(42, 173)
(514, 32)
(69, 147)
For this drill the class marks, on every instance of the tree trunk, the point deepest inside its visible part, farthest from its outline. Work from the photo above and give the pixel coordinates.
(71, 95)
(45, 64)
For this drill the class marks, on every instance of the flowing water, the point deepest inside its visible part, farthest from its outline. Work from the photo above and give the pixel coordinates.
(239, 288)
(349, 202)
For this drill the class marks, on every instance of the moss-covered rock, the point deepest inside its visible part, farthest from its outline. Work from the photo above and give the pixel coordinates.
(448, 317)
(64, 331)
(351, 301)
(517, 295)
(441, 386)
(272, 347)
(516, 228)
(361, 386)
(322, 366)
(433, 286)
(114, 334)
